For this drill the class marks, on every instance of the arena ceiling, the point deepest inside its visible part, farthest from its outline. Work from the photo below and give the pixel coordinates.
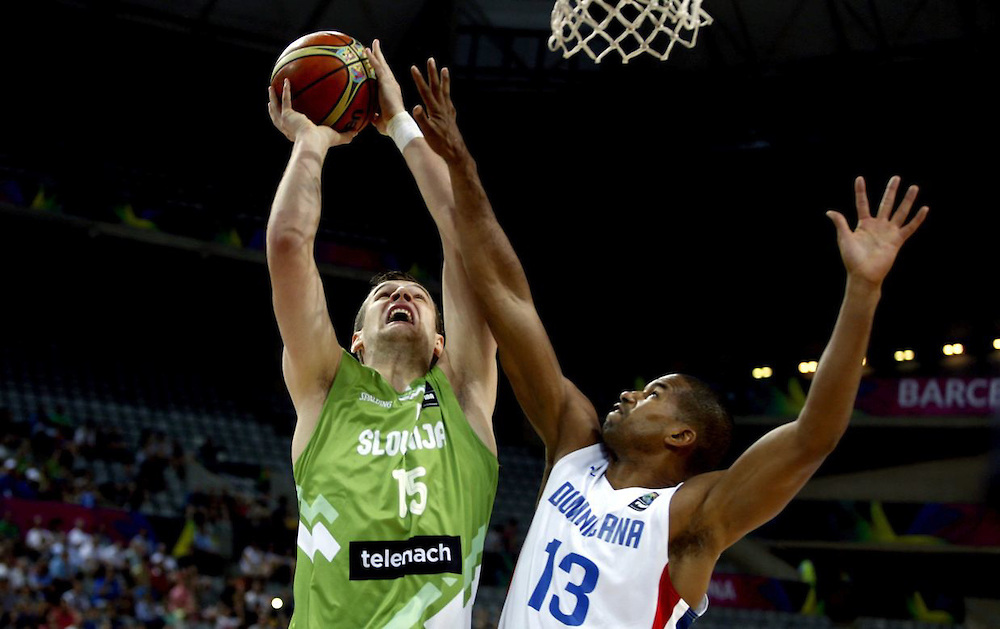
(688, 192)
(488, 34)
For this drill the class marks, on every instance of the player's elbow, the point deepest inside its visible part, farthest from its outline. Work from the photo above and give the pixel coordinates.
(283, 240)
(818, 443)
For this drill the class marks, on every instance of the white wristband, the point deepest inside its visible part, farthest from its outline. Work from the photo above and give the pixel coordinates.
(402, 128)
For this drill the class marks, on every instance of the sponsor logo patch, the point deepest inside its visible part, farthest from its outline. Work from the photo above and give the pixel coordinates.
(642, 502)
(430, 398)
(425, 554)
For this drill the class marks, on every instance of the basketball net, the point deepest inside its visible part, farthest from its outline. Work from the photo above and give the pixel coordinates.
(628, 27)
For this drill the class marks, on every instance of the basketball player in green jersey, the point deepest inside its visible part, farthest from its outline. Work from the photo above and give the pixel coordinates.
(393, 453)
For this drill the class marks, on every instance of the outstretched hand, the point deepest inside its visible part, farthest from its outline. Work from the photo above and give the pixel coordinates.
(390, 95)
(437, 116)
(870, 249)
(294, 124)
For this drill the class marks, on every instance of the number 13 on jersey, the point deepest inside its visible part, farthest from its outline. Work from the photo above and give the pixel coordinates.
(575, 594)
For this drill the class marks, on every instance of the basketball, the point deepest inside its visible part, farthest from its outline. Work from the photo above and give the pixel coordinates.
(332, 81)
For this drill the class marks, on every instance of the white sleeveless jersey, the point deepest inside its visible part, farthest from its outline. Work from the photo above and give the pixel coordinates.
(596, 557)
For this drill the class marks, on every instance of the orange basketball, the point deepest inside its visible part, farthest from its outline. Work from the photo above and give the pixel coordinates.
(332, 80)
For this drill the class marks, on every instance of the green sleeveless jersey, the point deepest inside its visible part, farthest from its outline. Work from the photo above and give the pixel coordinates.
(395, 493)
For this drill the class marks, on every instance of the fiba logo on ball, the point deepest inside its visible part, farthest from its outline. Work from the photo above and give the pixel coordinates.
(331, 79)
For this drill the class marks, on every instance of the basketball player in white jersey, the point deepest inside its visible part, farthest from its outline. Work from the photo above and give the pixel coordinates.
(632, 518)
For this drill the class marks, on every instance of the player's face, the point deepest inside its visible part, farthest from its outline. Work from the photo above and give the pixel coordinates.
(645, 412)
(400, 310)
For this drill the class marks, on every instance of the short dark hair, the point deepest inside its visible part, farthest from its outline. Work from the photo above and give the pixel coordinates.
(703, 409)
(389, 276)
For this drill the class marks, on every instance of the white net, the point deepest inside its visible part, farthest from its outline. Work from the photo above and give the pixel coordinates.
(628, 27)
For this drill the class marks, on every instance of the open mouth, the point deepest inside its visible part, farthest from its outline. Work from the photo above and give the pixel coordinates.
(399, 314)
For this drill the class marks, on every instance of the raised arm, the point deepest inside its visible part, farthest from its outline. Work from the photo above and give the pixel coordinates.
(561, 415)
(469, 359)
(311, 352)
(729, 504)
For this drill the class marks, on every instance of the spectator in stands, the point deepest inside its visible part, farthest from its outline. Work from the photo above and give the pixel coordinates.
(279, 566)
(149, 612)
(178, 460)
(10, 478)
(80, 544)
(63, 616)
(59, 568)
(17, 573)
(58, 469)
(252, 561)
(111, 553)
(76, 597)
(493, 550)
(85, 439)
(6, 558)
(226, 617)
(39, 538)
(255, 598)
(28, 609)
(511, 537)
(39, 485)
(84, 491)
(284, 519)
(9, 530)
(114, 447)
(152, 460)
(6, 427)
(61, 419)
(15, 482)
(205, 546)
(182, 602)
(7, 599)
(39, 578)
(106, 587)
(222, 530)
(39, 423)
(208, 454)
(162, 558)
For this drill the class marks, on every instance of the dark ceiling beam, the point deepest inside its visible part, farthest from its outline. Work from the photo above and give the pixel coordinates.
(746, 35)
(112, 10)
(864, 23)
(315, 15)
(787, 29)
(513, 65)
(973, 20)
(880, 36)
(206, 10)
(839, 30)
(911, 17)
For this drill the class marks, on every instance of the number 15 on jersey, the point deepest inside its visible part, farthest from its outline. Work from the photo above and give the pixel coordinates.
(409, 486)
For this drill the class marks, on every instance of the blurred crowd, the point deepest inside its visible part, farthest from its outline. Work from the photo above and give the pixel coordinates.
(48, 456)
(201, 568)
